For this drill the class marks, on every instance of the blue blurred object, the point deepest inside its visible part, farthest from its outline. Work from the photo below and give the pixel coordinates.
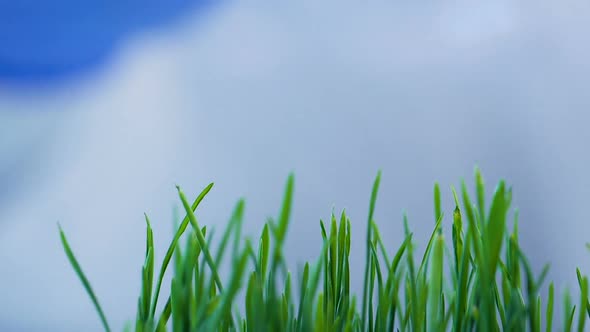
(43, 40)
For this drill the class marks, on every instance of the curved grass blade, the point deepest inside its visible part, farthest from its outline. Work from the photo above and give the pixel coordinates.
(580, 283)
(424, 265)
(230, 293)
(234, 223)
(83, 278)
(164, 316)
(201, 240)
(173, 245)
(495, 227)
(568, 312)
(285, 213)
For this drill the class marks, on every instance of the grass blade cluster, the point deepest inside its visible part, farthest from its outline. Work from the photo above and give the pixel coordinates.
(480, 280)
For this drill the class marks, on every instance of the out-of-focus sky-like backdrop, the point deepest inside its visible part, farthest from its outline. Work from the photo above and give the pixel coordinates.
(242, 93)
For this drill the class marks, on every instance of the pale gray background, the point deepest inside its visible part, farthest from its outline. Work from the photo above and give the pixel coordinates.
(332, 91)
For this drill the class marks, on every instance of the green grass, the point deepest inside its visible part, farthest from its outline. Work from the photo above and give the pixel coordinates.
(478, 280)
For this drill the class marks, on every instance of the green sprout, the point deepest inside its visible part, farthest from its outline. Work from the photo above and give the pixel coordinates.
(478, 280)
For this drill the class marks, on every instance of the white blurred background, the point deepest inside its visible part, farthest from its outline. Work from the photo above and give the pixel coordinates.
(332, 91)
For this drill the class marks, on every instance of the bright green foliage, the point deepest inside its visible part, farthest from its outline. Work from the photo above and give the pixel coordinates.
(482, 282)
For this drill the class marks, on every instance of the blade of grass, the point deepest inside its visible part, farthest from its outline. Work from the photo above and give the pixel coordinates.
(495, 227)
(234, 223)
(480, 193)
(372, 203)
(583, 302)
(435, 306)
(580, 282)
(82, 277)
(549, 311)
(173, 245)
(201, 239)
(437, 204)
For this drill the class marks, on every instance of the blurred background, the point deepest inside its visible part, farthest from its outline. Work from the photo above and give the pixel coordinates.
(104, 107)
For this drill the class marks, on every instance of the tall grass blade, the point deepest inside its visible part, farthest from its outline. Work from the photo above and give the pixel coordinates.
(173, 245)
(83, 279)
